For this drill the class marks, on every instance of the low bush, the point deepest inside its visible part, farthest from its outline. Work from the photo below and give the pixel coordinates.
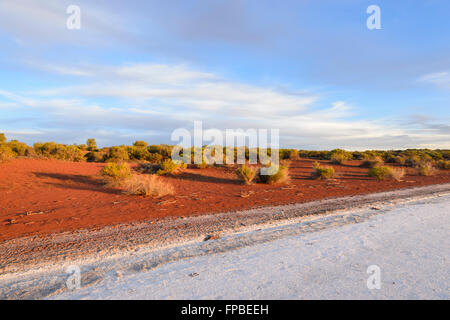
(140, 143)
(288, 154)
(117, 154)
(279, 177)
(372, 162)
(425, 169)
(338, 156)
(322, 172)
(154, 158)
(72, 153)
(116, 174)
(95, 156)
(246, 174)
(6, 153)
(91, 144)
(443, 164)
(169, 167)
(147, 185)
(385, 172)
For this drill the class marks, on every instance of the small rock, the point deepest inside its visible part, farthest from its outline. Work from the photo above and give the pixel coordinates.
(211, 237)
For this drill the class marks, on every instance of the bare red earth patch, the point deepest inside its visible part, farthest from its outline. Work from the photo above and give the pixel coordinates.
(48, 196)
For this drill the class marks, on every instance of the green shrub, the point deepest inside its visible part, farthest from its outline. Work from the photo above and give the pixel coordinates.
(412, 161)
(19, 148)
(169, 167)
(163, 149)
(385, 172)
(372, 162)
(246, 174)
(138, 153)
(280, 176)
(154, 158)
(95, 156)
(425, 169)
(2, 138)
(140, 143)
(338, 156)
(91, 144)
(117, 154)
(115, 174)
(288, 154)
(400, 160)
(444, 164)
(72, 153)
(6, 153)
(322, 172)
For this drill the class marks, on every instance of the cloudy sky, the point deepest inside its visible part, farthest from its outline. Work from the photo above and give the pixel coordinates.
(137, 70)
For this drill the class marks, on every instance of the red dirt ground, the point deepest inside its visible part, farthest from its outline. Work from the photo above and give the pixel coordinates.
(48, 196)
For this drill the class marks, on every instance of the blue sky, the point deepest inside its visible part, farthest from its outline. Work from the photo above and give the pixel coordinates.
(137, 70)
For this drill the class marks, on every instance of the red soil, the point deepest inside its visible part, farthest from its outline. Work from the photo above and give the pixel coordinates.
(48, 196)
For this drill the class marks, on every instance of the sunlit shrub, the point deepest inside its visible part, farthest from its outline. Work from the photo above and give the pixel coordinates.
(246, 173)
(425, 168)
(6, 153)
(95, 156)
(280, 176)
(147, 185)
(169, 167)
(385, 172)
(322, 172)
(115, 174)
(444, 164)
(117, 154)
(372, 162)
(338, 156)
(91, 144)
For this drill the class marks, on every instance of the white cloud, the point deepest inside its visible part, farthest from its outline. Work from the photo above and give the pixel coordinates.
(156, 98)
(440, 79)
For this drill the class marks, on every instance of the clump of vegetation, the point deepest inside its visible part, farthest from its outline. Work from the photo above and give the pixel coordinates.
(338, 156)
(246, 174)
(6, 152)
(322, 172)
(425, 169)
(54, 150)
(91, 144)
(169, 167)
(443, 164)
(400, 160)
(116, 174)
(140, 143)
(289, 154)
(147, 185)
(279, 177)
(72, 153)
(385, 172)
(95, 156)
(372, 162)
(117, 154)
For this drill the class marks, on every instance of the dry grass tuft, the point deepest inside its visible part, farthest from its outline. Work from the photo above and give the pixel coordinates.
(148, 185)
(246, 174)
